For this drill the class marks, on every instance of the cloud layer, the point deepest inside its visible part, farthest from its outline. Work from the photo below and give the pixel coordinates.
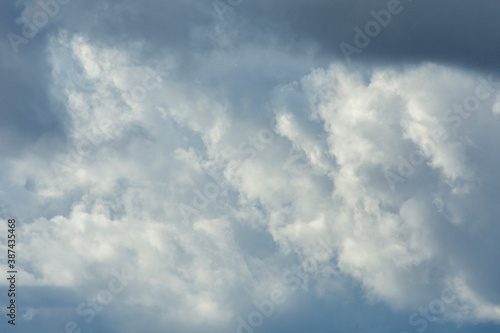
(243, 175)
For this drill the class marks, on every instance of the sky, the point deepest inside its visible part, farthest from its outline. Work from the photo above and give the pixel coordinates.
(250, 166)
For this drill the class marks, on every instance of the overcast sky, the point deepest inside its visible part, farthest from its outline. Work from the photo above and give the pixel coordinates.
(251, 166)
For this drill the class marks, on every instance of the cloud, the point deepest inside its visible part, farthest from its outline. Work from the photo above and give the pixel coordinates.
(392, 240)
(213, 156)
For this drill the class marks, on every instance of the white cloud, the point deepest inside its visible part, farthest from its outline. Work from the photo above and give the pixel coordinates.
(121, 197)
(390, 240)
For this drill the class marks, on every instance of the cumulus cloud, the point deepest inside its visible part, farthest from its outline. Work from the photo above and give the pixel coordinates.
(224, 162)
(389, 172)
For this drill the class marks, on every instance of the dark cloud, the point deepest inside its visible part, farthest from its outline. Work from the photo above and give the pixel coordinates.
(453, 32)
(28, 113)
